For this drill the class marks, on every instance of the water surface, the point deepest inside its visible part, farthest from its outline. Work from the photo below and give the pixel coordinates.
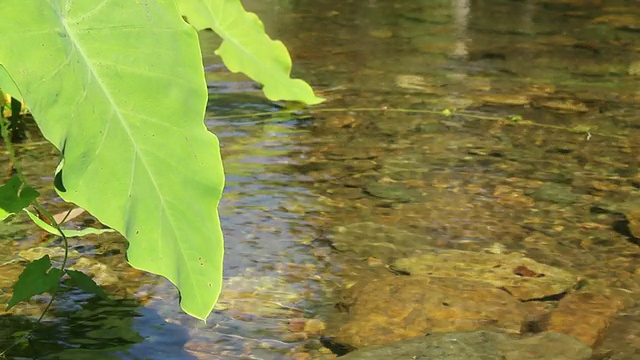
(539, 156)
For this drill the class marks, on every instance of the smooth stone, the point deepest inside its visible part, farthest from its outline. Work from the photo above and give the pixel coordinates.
(585, 316)
(393, 308)
(384, 242)
(393, 192)
(555, 193)
(522, 277)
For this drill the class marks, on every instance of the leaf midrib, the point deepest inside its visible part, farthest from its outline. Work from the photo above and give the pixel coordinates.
(77, 44)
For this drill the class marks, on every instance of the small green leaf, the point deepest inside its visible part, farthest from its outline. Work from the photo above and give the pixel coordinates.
(447, 112)
(15, 196)
(247, 48)
(83, 282)
(68, 233)
(37, 277)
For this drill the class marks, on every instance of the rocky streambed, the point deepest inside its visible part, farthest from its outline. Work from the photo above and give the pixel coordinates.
(455, 304)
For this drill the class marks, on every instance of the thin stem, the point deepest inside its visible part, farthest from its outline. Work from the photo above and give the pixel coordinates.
(4, 129)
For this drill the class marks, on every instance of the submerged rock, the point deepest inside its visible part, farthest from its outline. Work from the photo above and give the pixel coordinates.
(479, 345)
(556, 193)
(622, 339)
(101, 273)
(399, 307)
(55, 253)
(520, 276)
(384, 242)
(392, 192)
(634, 223)
(585, 316)
(629, 210)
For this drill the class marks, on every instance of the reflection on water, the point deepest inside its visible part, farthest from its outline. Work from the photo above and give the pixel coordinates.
(311, 200)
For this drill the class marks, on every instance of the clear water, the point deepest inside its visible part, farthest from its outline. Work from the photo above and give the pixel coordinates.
(294, 179)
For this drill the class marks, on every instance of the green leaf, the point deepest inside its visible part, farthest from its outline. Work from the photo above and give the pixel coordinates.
(68, 233)
(118, 87)
(247, 48)
(85, 283)
(7, 85)
(15, 196)
(37, 277)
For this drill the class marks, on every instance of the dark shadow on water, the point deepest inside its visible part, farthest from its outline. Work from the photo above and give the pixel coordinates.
(118, 329)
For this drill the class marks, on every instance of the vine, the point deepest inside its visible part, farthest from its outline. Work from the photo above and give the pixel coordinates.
(6, 132)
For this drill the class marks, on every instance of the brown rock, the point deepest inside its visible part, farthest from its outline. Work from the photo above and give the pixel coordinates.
(634, 223)
(584, 316)
(294, 337)
(301, 356)
(373, 262)
(522, 277)
(513, 197)
(314, 326)
(398, 307)
(504, 99)
(296, 324)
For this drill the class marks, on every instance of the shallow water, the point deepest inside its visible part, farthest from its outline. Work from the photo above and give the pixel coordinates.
(554, 182)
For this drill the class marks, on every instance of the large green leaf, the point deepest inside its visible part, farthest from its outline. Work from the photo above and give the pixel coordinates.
(7, 85)
(118, 86)
(247, 48)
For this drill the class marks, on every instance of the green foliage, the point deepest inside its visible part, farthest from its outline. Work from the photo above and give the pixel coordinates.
(85, 283)
(118, 87)
(7, 85)
(247, 48)
(38, 277)
(136, 153)
(14, 196)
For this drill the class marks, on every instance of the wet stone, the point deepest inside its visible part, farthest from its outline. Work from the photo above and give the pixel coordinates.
(555, 193)
(393, 192)
(100, 273)
(634, 222)
(634, 68)
(384, 242)
(567, 105)
(479, 345)
(504, 99)
(403, 170)
(520, 276)
(56, 252)
(622, 339)
(620, 21)
(393, 308)
(585, 316)
(630, 208)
